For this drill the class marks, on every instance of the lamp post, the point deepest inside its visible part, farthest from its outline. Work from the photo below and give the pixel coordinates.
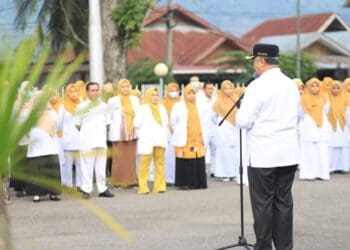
(161, 70)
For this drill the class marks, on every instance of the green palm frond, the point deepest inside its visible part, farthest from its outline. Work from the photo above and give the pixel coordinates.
(19, 67)
(16, 67)
(56, 24)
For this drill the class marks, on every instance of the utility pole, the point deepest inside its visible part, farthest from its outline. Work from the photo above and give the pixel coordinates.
(169, 34)
(298, 40)
(95, 43)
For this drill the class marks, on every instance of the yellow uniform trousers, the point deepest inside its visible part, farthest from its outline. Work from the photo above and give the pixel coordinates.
(159, 184)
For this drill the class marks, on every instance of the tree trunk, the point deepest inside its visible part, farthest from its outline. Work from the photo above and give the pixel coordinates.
(114, 55)
(5, 242)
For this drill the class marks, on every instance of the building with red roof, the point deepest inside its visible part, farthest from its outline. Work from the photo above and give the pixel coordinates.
(195, 43)
(324, 36)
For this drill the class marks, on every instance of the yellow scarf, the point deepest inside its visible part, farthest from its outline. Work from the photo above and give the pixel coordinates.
(55, 100)
(313, 104)
(127, 108)
(346, 90)
(167, 101)
(69, 104)
(194, 129)
(337, 108)
(80, 85)
(137, 93)
(154, 107)
(224, 103)
(325, 87)
(107, 91)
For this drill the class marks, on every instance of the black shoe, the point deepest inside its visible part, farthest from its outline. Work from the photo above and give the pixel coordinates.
(85, 195)
(54, 197)
(106, 194)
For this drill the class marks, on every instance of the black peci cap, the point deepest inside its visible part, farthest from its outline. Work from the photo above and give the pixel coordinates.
(264, 50)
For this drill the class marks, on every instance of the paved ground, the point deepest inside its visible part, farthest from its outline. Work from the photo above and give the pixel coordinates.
(201, 219)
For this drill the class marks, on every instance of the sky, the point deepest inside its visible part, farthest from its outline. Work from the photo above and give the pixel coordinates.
(234, 16)
(240, 16)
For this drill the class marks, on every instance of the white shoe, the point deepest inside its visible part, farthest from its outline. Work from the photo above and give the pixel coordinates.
(36, 198)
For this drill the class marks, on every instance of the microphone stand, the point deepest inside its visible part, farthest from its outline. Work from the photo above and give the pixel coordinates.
(242, 242)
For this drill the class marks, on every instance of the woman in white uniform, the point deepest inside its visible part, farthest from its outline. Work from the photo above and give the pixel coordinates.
(226, 135)
(152, 125)
(314, 133)
(42, 156)
(70, 138)
(338, 144)
(171, 97)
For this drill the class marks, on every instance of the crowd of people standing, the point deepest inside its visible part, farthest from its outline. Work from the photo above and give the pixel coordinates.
(132, 137)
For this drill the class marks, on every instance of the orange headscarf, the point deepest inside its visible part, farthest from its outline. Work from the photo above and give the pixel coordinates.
(313, 104)
(69, 104)
(167, 101)
(194, 129)
(107, 91)
(55, 100)
(127, 108)
(337, 108)
(326, 82)
(154, 107)
(224, 103)
(300, 85)
(346, 90)
(137, 93)
(80, 85)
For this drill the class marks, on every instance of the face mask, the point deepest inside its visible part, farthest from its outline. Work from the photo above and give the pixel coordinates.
(196, 85)
(174, 94)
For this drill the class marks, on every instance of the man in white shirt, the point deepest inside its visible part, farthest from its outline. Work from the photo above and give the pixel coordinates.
(92, 121)
(269, 112)
(204, 103)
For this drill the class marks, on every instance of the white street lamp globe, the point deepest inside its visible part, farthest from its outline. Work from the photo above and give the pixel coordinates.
(161, 69)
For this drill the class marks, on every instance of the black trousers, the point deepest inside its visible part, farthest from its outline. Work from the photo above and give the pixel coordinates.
(272, 205)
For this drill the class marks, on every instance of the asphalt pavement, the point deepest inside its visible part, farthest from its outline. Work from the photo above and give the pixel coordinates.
(180, 219)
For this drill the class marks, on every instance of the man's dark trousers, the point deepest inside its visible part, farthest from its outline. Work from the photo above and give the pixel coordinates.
(272, 205)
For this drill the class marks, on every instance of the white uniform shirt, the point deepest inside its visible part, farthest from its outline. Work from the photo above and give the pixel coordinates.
(41, 143)
(269, 112)
(151, 133)
(116, 116)
(178, 122)
(309, 132)
(93, 122)
(204, 106)
(70, 138)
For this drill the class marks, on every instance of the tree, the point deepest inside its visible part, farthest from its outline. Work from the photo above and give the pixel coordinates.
(307, 65)
(235, 59)
(287, 64)
(143, 73)
(64, 22)
(122, 22)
